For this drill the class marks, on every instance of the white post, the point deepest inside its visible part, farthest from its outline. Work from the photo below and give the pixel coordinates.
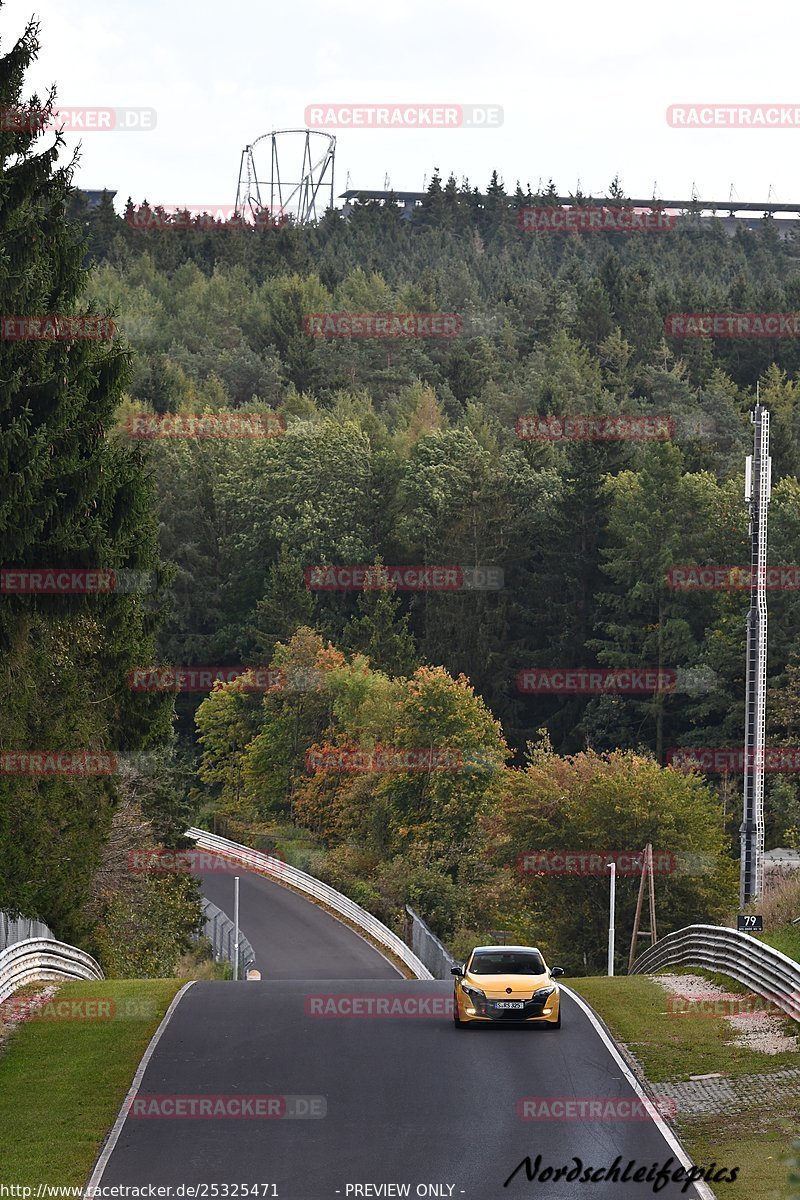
(236, 927)
(612, 901)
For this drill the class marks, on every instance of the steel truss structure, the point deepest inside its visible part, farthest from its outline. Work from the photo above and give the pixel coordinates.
(276, 197)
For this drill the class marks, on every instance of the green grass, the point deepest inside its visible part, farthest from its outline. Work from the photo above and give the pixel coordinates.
(62, 1081)
(670, 1046)
(786, 939)
(757, 1139)
(757, 1143)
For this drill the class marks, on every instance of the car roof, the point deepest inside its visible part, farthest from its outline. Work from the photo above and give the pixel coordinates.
(481, 949)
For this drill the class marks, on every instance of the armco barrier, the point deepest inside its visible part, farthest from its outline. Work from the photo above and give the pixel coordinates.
(281, 872)
(760, 968)
(39, 959)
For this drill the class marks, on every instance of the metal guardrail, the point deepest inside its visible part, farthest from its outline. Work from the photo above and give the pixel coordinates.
(221, 931)
(747, 960)
(425, 944)
(37, 959)
(19, 929)
(281, 872)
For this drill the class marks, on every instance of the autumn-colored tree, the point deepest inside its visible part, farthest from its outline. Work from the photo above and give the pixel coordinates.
(602, 803)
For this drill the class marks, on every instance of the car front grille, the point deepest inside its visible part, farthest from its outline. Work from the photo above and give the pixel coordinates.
(531, 1009)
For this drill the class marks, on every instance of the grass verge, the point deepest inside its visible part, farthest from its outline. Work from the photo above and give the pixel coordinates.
(757, 1136)
(786, 939)
(62, 1081)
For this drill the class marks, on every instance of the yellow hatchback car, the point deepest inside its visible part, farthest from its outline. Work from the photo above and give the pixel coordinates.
(505, 984)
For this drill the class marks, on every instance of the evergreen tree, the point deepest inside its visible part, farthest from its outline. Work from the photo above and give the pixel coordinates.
(73, 497)
(379, 631)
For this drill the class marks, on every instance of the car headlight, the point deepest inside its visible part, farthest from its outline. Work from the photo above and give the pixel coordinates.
(473, 991)
(543, 993)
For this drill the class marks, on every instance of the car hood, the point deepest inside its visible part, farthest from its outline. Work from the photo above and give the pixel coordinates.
(499, 985)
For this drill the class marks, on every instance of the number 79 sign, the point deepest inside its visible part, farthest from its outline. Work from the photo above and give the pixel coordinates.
(749, 923)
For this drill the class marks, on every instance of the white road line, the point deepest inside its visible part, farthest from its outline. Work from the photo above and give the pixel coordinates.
(108, 1149)
(702, 1189)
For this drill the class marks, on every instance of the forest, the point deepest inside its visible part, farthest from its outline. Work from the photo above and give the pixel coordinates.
(546, 440)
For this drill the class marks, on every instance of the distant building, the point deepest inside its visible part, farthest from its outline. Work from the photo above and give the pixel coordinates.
(782, 859)
(93, 198)
(703, 210)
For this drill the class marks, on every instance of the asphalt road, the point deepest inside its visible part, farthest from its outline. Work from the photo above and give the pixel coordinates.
(292, 938)
(407, 1099)
(399, 1100)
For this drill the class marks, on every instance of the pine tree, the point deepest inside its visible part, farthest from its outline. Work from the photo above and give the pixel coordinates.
(286, 605)
(379, 631)
(74, 496)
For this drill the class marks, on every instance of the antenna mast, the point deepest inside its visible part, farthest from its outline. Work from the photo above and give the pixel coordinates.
(757, 490)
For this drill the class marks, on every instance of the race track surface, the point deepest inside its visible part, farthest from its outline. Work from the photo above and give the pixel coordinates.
(402, 1100)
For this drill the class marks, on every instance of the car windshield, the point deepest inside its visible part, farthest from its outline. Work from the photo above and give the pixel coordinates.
(512, 963)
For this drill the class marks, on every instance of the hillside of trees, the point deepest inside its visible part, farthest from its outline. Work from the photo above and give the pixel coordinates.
(393, 451)
(406, 451)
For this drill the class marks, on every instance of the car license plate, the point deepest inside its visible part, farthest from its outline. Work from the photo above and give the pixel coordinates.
(509, 1004)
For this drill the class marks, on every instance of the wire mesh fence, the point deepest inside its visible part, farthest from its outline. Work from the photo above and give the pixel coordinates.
(427, 946)
(19, 929)
(221, 933)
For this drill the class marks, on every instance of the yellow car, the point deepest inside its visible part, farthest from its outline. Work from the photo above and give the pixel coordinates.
(505, 984)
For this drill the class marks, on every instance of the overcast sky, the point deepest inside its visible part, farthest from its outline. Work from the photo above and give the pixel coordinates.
(584, 89)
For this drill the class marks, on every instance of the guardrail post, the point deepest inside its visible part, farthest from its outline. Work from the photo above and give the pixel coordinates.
(236, 927)
(612, 904)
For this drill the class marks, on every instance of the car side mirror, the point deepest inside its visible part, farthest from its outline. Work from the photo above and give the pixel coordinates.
(457, 970)
(556, 971)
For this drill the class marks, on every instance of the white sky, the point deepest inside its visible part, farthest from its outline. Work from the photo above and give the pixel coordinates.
(584, 88)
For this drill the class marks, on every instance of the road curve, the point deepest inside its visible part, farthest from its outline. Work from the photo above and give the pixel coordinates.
(292, 938)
